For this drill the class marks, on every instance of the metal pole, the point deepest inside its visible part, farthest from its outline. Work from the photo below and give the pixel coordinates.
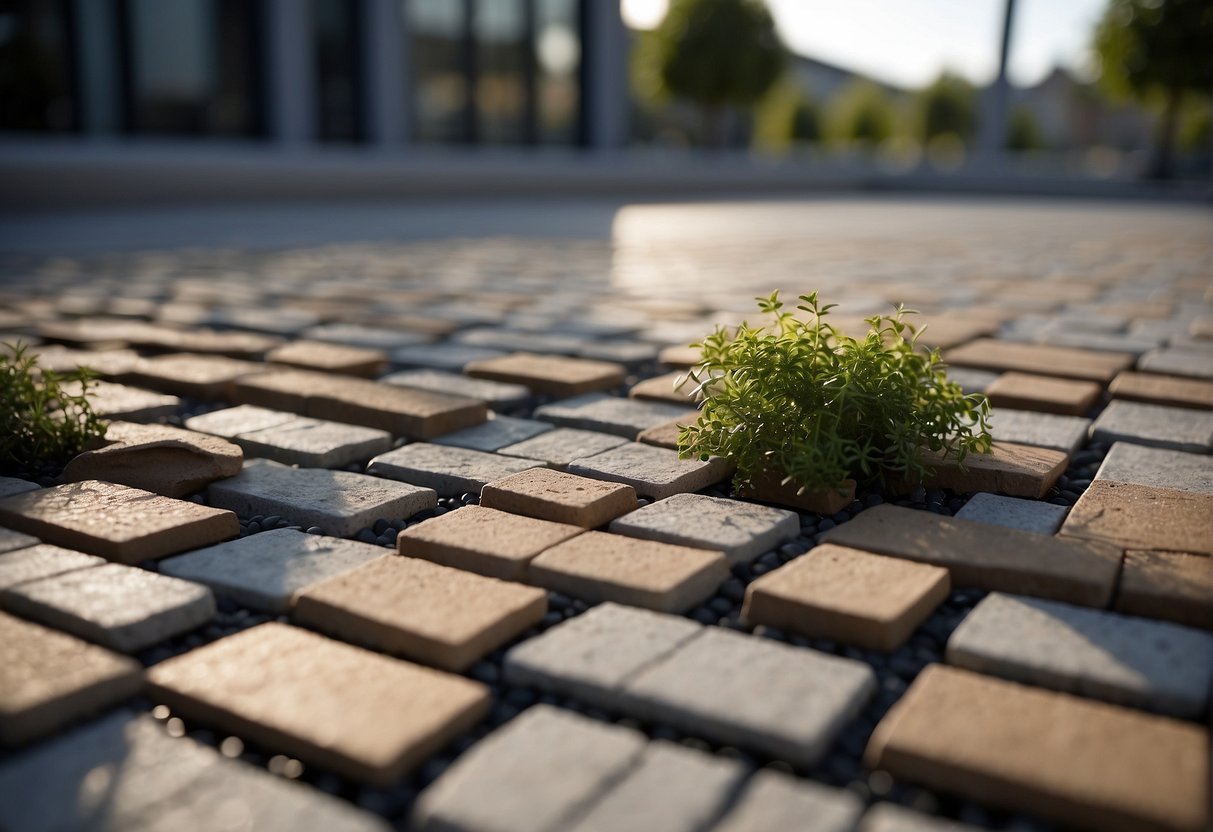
(994, 127)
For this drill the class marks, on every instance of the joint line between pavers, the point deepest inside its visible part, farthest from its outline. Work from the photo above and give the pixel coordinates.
(627, 680)
(574, 816)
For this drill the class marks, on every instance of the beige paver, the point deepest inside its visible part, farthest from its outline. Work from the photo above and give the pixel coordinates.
(1175, 586)
(1077, 571)
(1087, 764)
(337, 706)
(315, 443)
(1143, 517)
(198, 376)
(483, 540)
(111, 364)
(1064, 362)
(598, 566)
(679, 356)
(233, 421)
(282, 390)
(410, 607)
(121, 401)
(551, 375)
(1026, 391)
(48, 679)
(662, 436)
(847, 595)
(42, 560)
(1008, 468)
(329, 358)
(675, 388)
(1166, 390)
(116, 522)
(401, 411)
(770, 488)
(559, 497)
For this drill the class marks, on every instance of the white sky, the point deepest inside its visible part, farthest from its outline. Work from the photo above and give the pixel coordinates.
(908, 42)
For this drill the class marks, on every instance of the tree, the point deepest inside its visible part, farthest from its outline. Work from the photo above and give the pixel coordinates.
(862, 112)
(1157, 51)
(1023, 134)
(948, 106)
(786, 116)
(714, 53)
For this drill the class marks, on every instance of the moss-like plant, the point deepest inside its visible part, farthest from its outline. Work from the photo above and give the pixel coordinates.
(41, 423)
(802, 400)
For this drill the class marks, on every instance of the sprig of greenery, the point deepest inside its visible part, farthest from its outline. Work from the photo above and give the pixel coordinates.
(40, 422)
(804, 400)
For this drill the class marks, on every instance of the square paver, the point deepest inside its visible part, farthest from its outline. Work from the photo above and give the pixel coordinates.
(846, 595)
(315, 443)
(1157, 467)
(559, 497)
(656, 473)
(496, 433)
(447, 470)
(1025, 427)
(1066, 362)
(1169, 585)
(1013, 513)
(549, 375)
(363, 715)
(612, 414)
(1176, 428)
(560, 446)
(32, 563)
(1142, 517)
(329, 358)
(410, 607)
(772, 800)
(1165, 390)
(116, 522)
(493, 393)
(1024, 391)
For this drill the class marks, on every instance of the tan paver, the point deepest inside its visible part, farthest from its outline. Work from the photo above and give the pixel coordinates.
(233, 421)
(484, 540)
(559, 497)
(674, 388)
(1026, 391)
(1078, 571)
(1175, 586)
(1064, 362)
(847, 595)
(282, 390)
(1083, 763)
(550, 375)
(597, 566)
(31, 563)
(1166, 390)
(410, 607)
(662, 436)
(769, 488)
(679, 357)
(121, 401)
(401, 411)
(111, 364)
(116, 522)
(1143, 517)
(363, 715)
(1008, 468)
(198, 376)
(329, 358)
(48, 679)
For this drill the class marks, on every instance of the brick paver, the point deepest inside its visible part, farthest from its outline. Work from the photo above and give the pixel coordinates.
(496, 394)
(447, 470)
(33, 562)
(671, 388)
(1045, 430)
(1177, 362)
(198, 376)
(561, 446)
(1013, 513)
(654, 472)
(1008, 468)
(1159, 426)
(121, 401)
(1064, 362)
(1157, 467)
(495, 434)
(1025, 391)
(315, 443)
(1142, 517)
(11, 540)
(1164, 390)
(444, 356)
(1170, 585)
(231, 422)
(612, 414)
(559, 497)
(330, 358)
(549, 375)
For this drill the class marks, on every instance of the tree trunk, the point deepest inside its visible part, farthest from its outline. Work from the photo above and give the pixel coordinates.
(1164, 150)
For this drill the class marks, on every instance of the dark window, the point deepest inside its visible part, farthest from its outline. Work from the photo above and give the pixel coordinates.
(558, 65)
(502, 68)
(36, 90)
(441, 72)
(338, 74)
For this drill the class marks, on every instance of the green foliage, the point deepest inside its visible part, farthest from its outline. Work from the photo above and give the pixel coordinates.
(948, 106)
(800, 398)
(1023, 134)
(42, 420)
(784, 117)
(862, 112)
(1147, 48)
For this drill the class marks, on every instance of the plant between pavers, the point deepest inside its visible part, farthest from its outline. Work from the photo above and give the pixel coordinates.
(816, 407)
(41, 423)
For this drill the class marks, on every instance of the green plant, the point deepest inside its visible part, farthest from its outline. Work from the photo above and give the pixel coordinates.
(804, 400)
(862, 112)
(948, 106)
(43, 421)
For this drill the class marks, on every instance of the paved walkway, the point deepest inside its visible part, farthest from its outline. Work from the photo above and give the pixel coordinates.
(390, 534)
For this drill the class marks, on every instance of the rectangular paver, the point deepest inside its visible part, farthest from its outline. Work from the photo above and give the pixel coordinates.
(993, 354)
(198, 376)
(329, 358)
(772, 800)
(561, 446)
(447, 470)
(11, 540)
(1046, 430)
(559, 497)
(549, 375)
(654, 472)
(1013, 513)
(315, 443)
(1007, 468)
(1174, 586)
(1158, 468)
(230, 422)
(496, 394)
(1025, 391)
(1143, 517)
(1156, 425)
(1165, 390)
(496, 433)
(612, 414)
(31, 563)
(1177, 362)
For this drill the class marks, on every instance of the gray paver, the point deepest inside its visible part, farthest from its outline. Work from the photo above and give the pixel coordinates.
(1158, 468)
(315, 443)
(10, 540)
(1013, 513)
(264, 571)
(889, 817)
(1099, 341)
(654, 472)
(131, 404)
(494, 393)
(772, 800)
(233, 421)
(1178, 362)
(743, 531)
(447, 470)
(612, 414)
(972, 381)
(339, 502)
(445, 356)
(536, 774)
(364, 336)
(561, 446)
(1121, 659)
(13, 485)
(1156, 425)
(494, 434)
(1047, 430)
(116, 606)
(41, 561)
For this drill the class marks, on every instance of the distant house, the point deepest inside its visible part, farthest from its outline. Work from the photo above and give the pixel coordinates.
(1072, 115)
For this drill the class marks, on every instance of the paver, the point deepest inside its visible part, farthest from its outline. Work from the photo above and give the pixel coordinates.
(116, 522)
(444, 356)
(1112, 342)
(49, 679)
(743, 531)
(230, 422)
(592, 656)
(1000, 743)
(284, 390)
(1066, 362)
(493, 393)
(632, 354)
(663, 435)
(11, 540)
(114, 605)
(14, 485)
(158, 458)
(123, 771)
(678, 356)
(1046, 430)
(494, 434)
(560, 446)
(41, 561)
(198, 376)
(769, 487)
(111, 364)
(1154, 665)
(1157, 467)
(483, 540)
(889, 817)
(1013, 513)
(549, 375)
(559, 497)
(339, 502)
(365, 337)
(1075, 571)
(330, 358)
(970, 380)
(597, 566)
(363, 715)
(1177, 362)
(1165, 390)
(1170, 585)
(315, 443)
(273, 320)
(654, 472)
(612, 414)
(447, 470)
(1025, 391)
(500, 338)
(1143, 517)
(264, 571)
(536, 774)
(121, 401)
(1156, 425)
(445, 617)
(847, 595)
(771, 800)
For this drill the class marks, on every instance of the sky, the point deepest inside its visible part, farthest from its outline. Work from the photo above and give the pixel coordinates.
(908, 42)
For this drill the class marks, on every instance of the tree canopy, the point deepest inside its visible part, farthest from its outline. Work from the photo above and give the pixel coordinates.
(948, 106)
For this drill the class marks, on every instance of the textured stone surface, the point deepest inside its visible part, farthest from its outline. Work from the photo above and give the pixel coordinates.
(993, 354)
(447, 470)
(1079, 572)
(561, 446)
(1002, 743)
(233, 421)
(315, 443)
(1165, 390)
(1046, 430)
(197, 376)
(1176, 428)
(846, 595)
(612, 414)
(116, 522)
(743, 531)
(769, 487)
(330, 358)
(48, 679)
(559, 497)
(1177, 362)
(970, 380)
(339, 502)
(445, 356)
(1025, 391)
(771, 800)
(889, 817)
(549, 375)
(493, 393)
(401, 411)
(264, 571)
(1170, 585)
(333, 705)
(495, 433)
(1158, 468)
(410, 607)
(1152, 665)
(31, 563)
(1015, 470)
(1013, 513)
(1141, 517)
(654, 472)
(671, 388)
(366, 337)
(12, 485)
(11, 540)
(116, 606)
(120, 401)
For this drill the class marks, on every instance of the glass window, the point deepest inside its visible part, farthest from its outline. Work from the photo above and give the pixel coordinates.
(502, 58)
(36, 89)
(441, 76)
(558, 63)
(338, 75)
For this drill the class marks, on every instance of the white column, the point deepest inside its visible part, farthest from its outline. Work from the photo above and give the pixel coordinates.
(290, 71)
(100, 85)
(385, 38)
(606, 77)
